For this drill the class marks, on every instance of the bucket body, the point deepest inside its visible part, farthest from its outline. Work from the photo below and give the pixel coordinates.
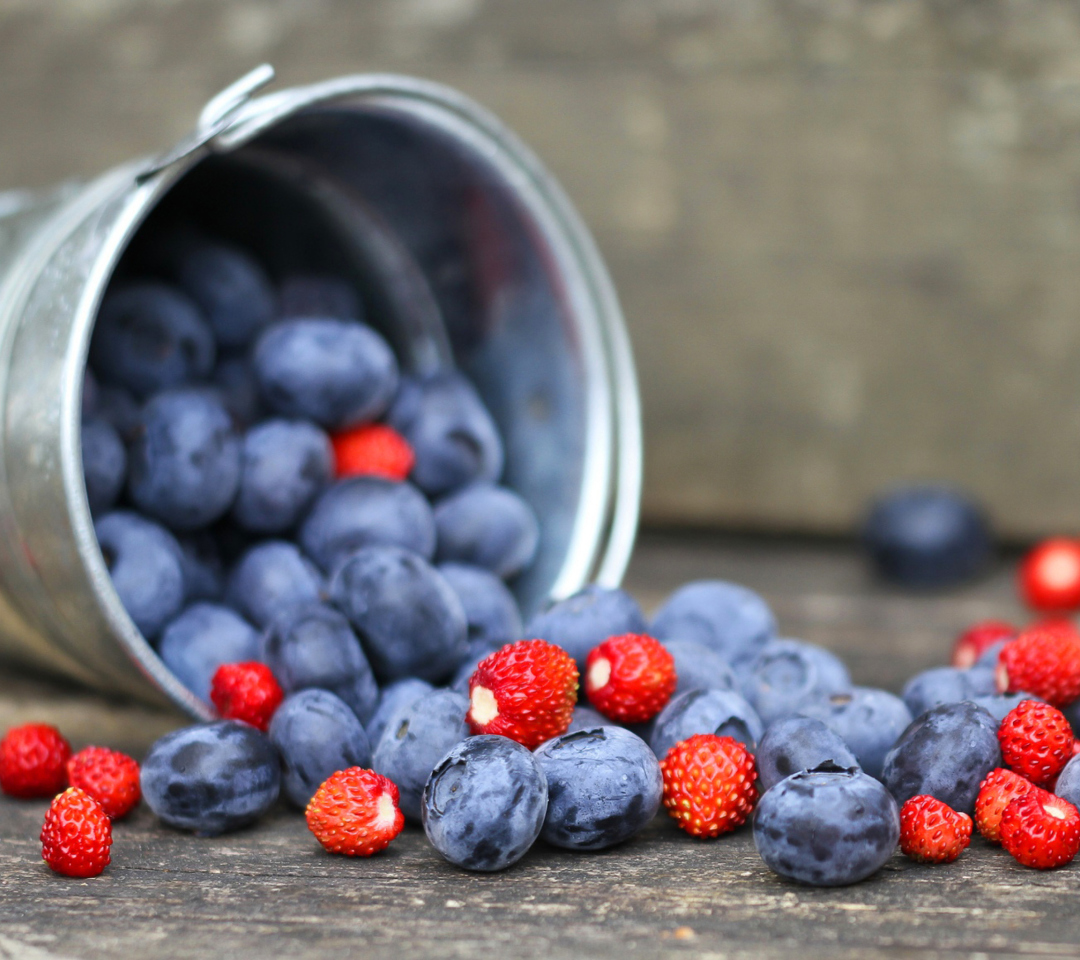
(465, 251)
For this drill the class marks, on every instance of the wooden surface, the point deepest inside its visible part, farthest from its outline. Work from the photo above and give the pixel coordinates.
(269, 891)
(845, 232)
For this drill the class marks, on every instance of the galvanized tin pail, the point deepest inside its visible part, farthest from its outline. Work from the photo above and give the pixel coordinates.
(466, 251)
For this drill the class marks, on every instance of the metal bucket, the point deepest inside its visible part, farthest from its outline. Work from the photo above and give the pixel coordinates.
(466, 252)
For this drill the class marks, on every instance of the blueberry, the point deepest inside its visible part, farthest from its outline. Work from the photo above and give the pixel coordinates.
(316, 734)
(477, 651)
(409, 619)
(936, 686)
(869, 721)
(982, 679)
(585, 718)
(826, 827)
(201, 639)
(946, 753)
(1068, 783)
(484, 804)
(232, 290)
(699, 668)
(491, 611)
(589, 617)
(270, 579)
(150, 337)
(999, 705)
(798, 743)
(927, 537)
(104, 464)
(705, 711)
(392, 698)
(90, 390)
(789, 673)
(144, 563)
(367, 512)
(486, 526)
(211, 778)
(204, 578)
(417, 737)
(604, 785)
(314, 646)
(286, 464)
(234, 379)
(450, 430)
(118, 407)
(334, 372)
(989, 657)
(185, 466)
(312, 295)
(728, 619)
(1071, 711)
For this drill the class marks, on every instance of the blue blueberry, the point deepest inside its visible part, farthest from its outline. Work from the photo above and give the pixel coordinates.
(204, 576)
(604, 785)
(589, 617)
(150, 337)
(417, 737)
(731, 620)
(722, 712)
(936, 686)
(337, 373)
(450, 430)
(477, 651)
(798, 743)
(409, 619)
(789, 673)
(927, 537)
(946, 753)
(271, 579)
(391, 699)
(104, 464)
(201, 639)
(144, 562)
(316, 734)
(983, 680)
(185, 465)
(484, 804)
(211, 778)
(999, 705)
(314, 646)
(486, 526)
(1071, 711)
(313, 295)
(699, 668)
(367, 512)
(989, 657)
(232, 290)
(491, 611)
(286, 464)
(238, 389)
(827, 828)
(585, 718)
(1068, 783)
(869, 721)
(117, 406)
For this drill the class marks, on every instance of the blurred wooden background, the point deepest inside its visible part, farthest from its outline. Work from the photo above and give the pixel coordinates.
(846, 233)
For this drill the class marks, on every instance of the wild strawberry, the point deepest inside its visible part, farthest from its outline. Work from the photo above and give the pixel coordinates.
(33, 761)
(709, 784)
(1043, 660)
(932, 832)
(110, 777)
(1041, 830)
(525, 691)
(76, 835)
(630, 678)
(247, 692)
(996, 792)
(373, 449)
(975, 640)
(1036, 740)
(1050, 576)
(355, 812)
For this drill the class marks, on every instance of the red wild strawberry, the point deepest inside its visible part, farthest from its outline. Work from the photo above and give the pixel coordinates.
(1043, 660)
(630, 678)
(932, 832)
(355, 812)
(110, 777)
(1036, 740)
(247, 692)
(76, 835)
(33, 761)
(976, 639)
(996, 792)
(709, 784)
(1050, 576)
(525, 691)
(373, 449)
(1041, 830)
